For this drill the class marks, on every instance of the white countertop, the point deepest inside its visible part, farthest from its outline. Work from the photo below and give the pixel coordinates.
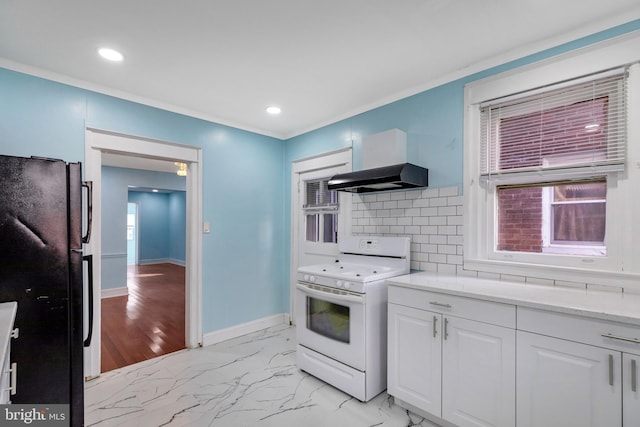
(7, 317)
(604, 305)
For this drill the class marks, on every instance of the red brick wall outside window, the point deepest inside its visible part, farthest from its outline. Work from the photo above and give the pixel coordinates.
(520, 219)
(528, 139)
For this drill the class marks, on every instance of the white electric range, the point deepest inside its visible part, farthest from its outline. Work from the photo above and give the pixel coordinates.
(341, 313)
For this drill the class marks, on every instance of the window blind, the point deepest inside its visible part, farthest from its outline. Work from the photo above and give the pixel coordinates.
(580, 124)
(318, 198)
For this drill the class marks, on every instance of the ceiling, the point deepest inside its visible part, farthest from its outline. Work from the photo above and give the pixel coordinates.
(320, 61)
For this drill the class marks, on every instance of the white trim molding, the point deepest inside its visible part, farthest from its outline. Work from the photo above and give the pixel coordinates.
(245, 328)
(114, 292)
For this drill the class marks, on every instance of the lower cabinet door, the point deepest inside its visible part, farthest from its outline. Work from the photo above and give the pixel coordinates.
(414, 357)
(479, 374)
(563, 383)
(631, 390)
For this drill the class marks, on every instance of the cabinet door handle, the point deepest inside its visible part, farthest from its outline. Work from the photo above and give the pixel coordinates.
(446, 324)
(14, 378)
(610, 369)
(634, 376)
(440, 304)
(617, 337)
(435, 331)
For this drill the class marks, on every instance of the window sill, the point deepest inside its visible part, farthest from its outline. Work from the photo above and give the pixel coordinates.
(595, 251)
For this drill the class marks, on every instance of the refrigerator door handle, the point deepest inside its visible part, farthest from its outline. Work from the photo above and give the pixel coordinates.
(89, 186)
(89, 260)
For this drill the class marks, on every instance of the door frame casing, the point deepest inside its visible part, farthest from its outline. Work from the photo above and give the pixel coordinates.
(331, 159)
(99, 141)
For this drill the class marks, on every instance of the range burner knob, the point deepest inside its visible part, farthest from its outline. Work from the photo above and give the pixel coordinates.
(339, 283)
(312, 278)
(347, 285)
(306, 277)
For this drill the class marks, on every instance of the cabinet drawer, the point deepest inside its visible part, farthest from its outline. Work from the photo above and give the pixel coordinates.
(601, 333)
(483, 311)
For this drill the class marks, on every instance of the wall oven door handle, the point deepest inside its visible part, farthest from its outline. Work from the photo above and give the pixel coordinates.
(329, 293)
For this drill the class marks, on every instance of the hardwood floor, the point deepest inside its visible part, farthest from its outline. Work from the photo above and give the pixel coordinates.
(147, 323)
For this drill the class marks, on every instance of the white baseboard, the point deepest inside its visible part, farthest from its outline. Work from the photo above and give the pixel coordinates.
(244, 329)
(162, 261)
(114, 292)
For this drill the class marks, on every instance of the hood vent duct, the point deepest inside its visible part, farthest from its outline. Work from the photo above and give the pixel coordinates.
(384, 166)
(394, 177)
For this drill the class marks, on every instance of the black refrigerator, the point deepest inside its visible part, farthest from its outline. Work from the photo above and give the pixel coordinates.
(43, 224)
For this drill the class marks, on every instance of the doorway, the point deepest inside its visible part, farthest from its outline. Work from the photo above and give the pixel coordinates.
(99, 143)
(317, 223)
(132, 233)
(147, 319)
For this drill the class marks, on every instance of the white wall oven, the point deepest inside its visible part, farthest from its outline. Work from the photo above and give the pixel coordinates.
(341, 319)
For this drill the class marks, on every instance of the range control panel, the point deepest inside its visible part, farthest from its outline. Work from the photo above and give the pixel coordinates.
(366, 244)
(375, 245)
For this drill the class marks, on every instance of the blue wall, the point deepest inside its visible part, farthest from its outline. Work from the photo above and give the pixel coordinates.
(162, 226)
(154, 223)
(177, 226)
(243, 184)
(115, 196)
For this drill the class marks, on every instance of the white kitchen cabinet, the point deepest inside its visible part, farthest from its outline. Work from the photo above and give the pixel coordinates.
(578, 351)
(461, 370)
(630, 390)
(574, 370)
(563, 383)
(414, 371)
(478, 368)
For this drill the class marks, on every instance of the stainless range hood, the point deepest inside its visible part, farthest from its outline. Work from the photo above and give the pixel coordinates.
(394, 177)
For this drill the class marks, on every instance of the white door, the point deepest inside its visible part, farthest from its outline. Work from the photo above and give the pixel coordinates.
(318, 218)
(563, 383)
(414, 371)
(631, 390)
(478, 367)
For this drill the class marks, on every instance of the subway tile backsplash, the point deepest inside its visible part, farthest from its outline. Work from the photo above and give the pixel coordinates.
(432, 217)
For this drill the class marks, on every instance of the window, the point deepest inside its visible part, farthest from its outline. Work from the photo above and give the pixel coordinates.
(552, 168)
(570, 133)
(321, 212)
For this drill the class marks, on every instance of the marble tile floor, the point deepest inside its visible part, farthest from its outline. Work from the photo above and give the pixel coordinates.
(247, 381)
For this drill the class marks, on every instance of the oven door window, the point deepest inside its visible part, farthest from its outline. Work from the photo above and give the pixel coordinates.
(328, 319)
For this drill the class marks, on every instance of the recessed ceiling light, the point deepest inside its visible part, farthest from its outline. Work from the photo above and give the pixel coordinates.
(274, 110)
(110, 54)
